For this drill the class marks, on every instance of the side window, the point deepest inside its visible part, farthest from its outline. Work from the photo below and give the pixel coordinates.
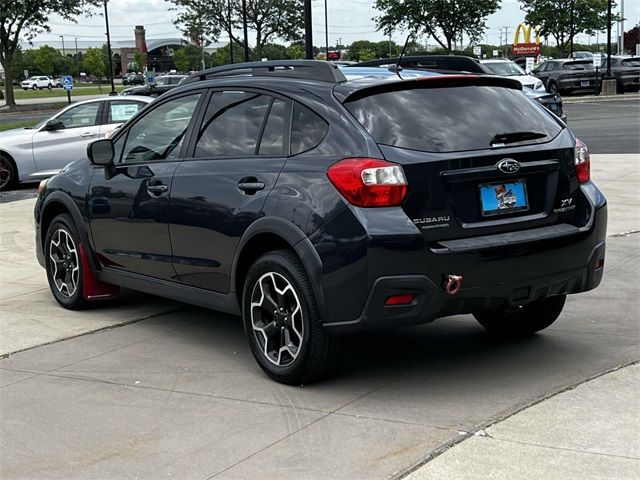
(159, 134)
(80, 116)
(275, 130)
(121, 111)
(232, 124)
(307, 129)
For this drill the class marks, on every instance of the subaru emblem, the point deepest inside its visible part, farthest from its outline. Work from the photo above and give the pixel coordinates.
(508, 165)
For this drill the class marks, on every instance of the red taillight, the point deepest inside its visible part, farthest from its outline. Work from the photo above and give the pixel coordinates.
(369, 182)
(404, 299)
(582, 161)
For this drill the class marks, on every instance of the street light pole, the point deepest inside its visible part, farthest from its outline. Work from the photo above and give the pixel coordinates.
(230, 32)
(244, 28)
(571, 31)
(326, 29)
(308, 31)
(63, 52)
(608, 75)
(106, 19)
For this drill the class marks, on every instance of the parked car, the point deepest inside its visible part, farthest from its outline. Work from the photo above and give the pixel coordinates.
(551, 101)
(57, 83)
(33, 153)
(133, 79)
(581, 55)
(567, 76)
(37, 83)
(626, 71)
(507, 68)
(313, 206)
(456, 63)
(163, 85)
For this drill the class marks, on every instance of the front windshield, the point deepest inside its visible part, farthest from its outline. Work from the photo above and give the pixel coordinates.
(505, 68)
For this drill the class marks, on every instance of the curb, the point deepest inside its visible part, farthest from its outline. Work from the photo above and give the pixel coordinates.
(601, 98)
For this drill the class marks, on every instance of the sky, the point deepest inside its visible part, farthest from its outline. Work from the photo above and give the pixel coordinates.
(349, 20)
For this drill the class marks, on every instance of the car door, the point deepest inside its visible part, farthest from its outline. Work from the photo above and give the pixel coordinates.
(542, 72)
(128, 204)
(116, 112)
(53, 149)
(236, 155)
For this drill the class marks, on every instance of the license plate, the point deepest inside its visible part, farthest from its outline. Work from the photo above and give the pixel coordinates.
(584, 83)
(504, 197)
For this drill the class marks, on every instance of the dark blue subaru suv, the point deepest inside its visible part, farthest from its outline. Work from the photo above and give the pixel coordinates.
(314, 205)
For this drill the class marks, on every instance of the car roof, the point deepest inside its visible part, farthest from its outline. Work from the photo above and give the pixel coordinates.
(496, 60)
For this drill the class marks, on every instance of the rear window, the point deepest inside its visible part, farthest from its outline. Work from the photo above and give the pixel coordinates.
(452, 119)
(578, 66)
(631, 62)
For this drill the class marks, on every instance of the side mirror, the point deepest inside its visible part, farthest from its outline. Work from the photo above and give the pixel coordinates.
(54, 125)
(101, 152)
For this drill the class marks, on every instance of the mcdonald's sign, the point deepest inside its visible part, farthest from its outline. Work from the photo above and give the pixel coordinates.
(527, 47)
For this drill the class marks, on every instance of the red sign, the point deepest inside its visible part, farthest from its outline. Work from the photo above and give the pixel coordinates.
(526, 49)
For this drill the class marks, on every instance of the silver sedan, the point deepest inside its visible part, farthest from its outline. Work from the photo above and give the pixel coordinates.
(31, 154)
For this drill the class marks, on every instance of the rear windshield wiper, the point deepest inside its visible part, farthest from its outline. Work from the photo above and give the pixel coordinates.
(513, 137)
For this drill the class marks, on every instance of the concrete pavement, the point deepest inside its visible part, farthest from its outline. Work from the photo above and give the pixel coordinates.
(178, 394)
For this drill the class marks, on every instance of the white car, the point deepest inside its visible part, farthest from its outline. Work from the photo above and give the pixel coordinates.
(507, 68)
(35, 153)
(37, 83)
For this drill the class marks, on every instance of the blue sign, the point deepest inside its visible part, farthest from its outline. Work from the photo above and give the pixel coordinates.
(151, 79)
(67, 82)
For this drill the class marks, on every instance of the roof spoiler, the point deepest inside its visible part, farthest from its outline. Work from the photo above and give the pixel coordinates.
(303, 69)
(439, 81)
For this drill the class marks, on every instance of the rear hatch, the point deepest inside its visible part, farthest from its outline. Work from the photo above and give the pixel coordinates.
(581, 72)
(480, 158)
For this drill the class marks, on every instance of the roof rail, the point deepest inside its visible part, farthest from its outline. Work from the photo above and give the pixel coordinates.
(309, 69)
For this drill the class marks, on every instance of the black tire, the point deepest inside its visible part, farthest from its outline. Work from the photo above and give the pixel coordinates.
(73, 300)
(553, 88)
(522, 321)
(49, 86)
(8, 173)
(317, 352)
(34, 87)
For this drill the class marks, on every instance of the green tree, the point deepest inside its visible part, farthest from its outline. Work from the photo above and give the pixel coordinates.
(208, 19)
(45, 58)
(295, 51)
(274, 51)
(357, 47)
(188, 58)
(444, 21)
(554, 18)
(366, 55)
(93, 63)
(23, 20)
(140, 59)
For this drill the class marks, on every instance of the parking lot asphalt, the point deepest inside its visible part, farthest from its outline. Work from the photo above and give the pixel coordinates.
(174, 392)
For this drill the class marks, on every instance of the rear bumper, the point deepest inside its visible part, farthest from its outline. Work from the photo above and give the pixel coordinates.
(495, 276)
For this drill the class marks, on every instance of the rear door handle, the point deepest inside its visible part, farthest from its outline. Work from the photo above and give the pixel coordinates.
(250, 185)
(157, 189)
(88, 135)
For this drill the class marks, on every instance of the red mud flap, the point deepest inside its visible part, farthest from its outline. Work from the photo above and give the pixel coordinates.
(92, 288)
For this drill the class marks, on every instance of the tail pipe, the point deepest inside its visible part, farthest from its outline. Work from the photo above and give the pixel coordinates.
(452, 284)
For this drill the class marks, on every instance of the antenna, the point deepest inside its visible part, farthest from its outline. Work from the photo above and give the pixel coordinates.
(397, 68)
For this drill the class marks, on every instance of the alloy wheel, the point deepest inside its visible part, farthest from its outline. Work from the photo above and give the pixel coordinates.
(277, 319)
(5, 172)
(65, 263)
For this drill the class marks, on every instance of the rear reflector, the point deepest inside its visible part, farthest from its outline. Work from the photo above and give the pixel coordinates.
(404, 299)
(369, 182)
(582, 161)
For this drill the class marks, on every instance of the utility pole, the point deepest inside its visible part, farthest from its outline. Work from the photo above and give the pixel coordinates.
(202, 48)
(63, 52)
(326, 29)
(339, 48)
(76, 46)
(308, 31)
(244, 28)
(390, 55)
(230, 33)
(106, 19)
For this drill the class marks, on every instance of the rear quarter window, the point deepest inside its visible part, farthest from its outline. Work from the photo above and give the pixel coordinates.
(307, 129)
(451, 119)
